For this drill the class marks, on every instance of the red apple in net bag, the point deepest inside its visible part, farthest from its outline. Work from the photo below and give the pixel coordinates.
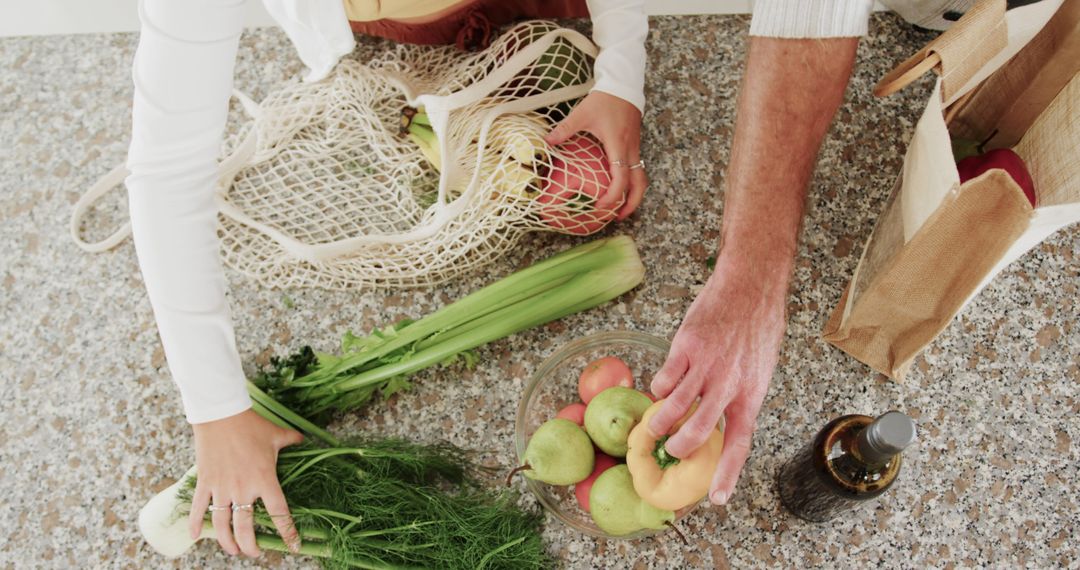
(579, 174)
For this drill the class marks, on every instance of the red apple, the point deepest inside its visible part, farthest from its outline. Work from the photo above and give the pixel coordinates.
(574, 412)
(1003, 158)
(599, 375)
(579, 174)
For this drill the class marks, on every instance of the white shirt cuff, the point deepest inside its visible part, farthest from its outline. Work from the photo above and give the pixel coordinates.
(620, 29)
(811, 18)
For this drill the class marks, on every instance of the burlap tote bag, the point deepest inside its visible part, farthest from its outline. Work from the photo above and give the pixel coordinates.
(1008, 78)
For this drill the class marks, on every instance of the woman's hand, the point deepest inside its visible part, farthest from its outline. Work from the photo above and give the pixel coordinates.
(616, 123)
(236, 460)
(723, 353)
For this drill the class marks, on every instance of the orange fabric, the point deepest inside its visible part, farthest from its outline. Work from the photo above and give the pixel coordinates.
(470, 26)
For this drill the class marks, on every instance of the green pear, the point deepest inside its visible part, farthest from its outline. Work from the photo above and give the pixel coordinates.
(611, 415)
(618, 510)
(559, 453)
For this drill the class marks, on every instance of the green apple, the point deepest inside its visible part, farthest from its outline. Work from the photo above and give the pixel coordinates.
(611, 415)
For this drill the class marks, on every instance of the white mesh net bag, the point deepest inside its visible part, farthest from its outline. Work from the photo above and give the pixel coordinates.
(413, 168)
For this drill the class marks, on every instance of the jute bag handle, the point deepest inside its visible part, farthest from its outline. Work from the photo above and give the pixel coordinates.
(957, 54)
(1002, 108)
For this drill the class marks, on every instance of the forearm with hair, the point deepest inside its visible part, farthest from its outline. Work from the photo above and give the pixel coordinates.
(790, 93)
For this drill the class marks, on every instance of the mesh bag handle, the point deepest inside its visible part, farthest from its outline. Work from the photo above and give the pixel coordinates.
(120, 172)
(112, 179)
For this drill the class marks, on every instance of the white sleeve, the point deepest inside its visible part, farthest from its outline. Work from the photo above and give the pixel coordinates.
(620, 28)
(183, 74)
(318, 29)
(811, 18)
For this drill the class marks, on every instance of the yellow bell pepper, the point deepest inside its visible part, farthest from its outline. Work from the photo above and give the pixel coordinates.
(662, 480)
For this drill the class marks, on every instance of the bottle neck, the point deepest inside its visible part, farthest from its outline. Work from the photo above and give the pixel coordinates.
(839, 458)
(885, 438)
(866, 452)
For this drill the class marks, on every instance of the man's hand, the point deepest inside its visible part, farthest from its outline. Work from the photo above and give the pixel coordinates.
(236, 460)
(725, 351)
(616, 123)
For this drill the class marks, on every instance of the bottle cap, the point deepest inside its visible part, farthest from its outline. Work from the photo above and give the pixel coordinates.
(886, 436)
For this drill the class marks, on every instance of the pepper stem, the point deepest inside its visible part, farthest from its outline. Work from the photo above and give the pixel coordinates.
(661, 455)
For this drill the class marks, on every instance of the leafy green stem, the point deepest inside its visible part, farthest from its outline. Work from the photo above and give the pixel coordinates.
(297, 421)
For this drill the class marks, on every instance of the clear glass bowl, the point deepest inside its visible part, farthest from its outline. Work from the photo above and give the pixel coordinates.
(555, 385)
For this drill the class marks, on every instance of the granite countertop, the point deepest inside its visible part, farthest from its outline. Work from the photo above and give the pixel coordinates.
(91, 425)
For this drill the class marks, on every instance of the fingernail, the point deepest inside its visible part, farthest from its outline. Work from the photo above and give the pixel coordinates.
(719, 498)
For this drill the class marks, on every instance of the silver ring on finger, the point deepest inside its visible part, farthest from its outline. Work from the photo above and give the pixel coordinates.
(640, 164)
(248, 507)
(216, 508)
(620, 164)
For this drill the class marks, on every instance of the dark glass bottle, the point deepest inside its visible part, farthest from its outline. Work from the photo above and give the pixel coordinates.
(853, 459)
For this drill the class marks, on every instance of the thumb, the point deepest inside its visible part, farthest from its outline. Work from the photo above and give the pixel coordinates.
(290, 437)
(567, 128)
(738, 434)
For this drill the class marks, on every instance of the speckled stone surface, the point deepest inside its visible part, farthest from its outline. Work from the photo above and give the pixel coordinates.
(91, 425)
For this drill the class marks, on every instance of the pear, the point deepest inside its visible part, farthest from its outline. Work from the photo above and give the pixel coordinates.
(611, 415)
(559, 453)
(618, 510)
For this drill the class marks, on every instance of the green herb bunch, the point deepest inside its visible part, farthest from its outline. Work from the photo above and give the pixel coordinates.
(392, 504)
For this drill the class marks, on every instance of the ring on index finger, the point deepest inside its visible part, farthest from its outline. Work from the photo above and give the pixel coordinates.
(620, 163)
(640, 164)
(216, 508)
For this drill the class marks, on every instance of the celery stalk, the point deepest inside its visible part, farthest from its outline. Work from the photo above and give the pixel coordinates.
(571, 281)
(531, 280)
